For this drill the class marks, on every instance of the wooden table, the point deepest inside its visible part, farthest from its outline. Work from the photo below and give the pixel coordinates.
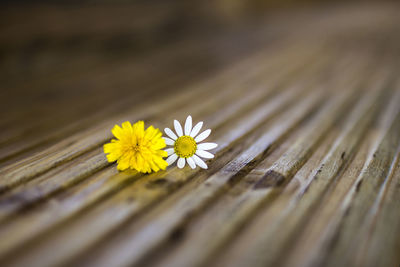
(304, 104)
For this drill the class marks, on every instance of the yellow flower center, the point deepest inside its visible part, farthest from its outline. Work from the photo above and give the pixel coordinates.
(185, 146)
(136, 148)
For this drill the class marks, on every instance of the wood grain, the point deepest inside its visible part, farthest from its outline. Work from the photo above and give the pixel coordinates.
(304, 105)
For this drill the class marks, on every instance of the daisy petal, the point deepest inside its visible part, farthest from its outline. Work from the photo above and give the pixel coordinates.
(178, 128)
(188, 125)
(199, 162)
(202, 136)
(181, 163)
(170, 133)
(191, 163)
(169, 141)
(196, 129)
(204, 154)
(170, 151)
(207, 146)
(171, 159)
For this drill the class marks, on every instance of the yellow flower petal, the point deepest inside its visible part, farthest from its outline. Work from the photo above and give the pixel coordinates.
(123, 163)
(117, 131)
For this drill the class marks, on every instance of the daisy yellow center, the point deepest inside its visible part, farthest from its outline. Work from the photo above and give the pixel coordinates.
(185, 146)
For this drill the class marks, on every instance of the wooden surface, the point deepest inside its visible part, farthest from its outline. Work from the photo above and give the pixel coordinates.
(304, 104)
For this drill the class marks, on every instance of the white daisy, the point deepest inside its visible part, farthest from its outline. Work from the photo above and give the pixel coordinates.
(186, 145)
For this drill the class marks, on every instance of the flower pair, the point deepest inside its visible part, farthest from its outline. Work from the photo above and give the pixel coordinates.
(142, 150)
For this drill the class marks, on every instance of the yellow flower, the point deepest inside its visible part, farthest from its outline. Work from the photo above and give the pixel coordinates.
(137, 148)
